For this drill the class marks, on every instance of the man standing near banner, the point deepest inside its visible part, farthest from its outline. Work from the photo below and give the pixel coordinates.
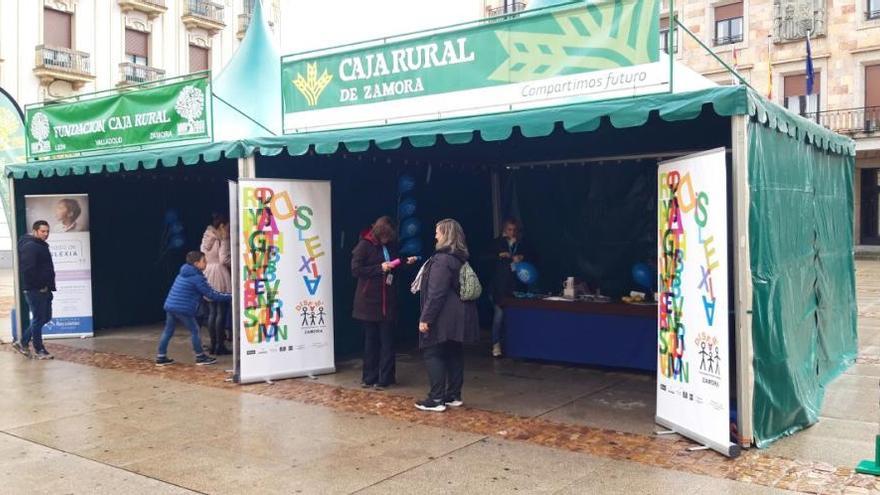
(38, 282)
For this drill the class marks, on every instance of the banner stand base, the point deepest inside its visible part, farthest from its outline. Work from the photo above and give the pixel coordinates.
(284, 375)
(729, 449)
(661, 433)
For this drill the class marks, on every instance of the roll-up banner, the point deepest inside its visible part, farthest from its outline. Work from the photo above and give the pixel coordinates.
(286, 279)
(693, 368)
(69, 243)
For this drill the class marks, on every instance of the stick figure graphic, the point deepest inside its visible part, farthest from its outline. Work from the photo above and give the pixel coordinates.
(321, 315)
(312, 318)
(711, 362)
(703, 355)
(305, 316)
(717, 361)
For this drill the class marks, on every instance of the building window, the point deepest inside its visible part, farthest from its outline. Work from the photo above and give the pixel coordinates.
(873, 9)
(729, 24)
(872, 98)
(664, 36)
(57, 29)
(137, 47)
(199, 58)
(796, 98)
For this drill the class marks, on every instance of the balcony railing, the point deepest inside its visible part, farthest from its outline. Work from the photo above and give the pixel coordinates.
(64, 60)
(853, 120)
(204, 9)
(244, 20)
(728, 40)
(136, 74)
(509, 8)
(152, 8)
(873, 14)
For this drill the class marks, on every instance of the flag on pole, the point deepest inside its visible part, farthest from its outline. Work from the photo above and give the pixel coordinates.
(735, 66)
(769, 68)
(810, 74)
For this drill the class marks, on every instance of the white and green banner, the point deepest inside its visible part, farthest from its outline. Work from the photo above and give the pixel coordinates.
(693, 345)
(169, 113)
(596, 50)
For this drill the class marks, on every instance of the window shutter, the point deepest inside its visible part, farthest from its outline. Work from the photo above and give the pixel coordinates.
(199, 58)
(872, 86)
(730, 11)
(136, 43)
(57, 29)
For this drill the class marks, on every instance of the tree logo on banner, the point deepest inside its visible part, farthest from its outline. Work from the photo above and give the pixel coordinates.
(191, 106)
(40, 131)
(536, 55)
(312, 86)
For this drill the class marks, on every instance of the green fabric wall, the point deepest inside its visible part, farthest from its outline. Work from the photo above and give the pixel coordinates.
(804, 306)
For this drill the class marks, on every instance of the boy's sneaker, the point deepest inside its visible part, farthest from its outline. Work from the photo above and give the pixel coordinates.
(496, 350)
(430, 405)
(454, 402)
(24, 351)
(204, 359)
(43, 354)
(164, 361)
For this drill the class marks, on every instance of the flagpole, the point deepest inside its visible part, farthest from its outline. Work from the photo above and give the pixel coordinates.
(770, 67)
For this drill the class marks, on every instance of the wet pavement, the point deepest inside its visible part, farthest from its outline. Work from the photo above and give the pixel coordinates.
(96, 420)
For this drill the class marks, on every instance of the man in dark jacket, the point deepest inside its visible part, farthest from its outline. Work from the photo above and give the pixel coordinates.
(37, 275)
(182, 302)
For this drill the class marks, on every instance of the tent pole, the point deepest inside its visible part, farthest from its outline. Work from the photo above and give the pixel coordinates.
(745, 376)
(496, 202)
(247, 167)
(6, 333)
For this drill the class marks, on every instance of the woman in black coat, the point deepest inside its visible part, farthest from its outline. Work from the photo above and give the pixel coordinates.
(375, 300)
(506, 250)
(446, 322)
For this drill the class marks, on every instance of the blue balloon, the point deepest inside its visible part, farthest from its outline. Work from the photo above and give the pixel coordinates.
(644, 275)
(526, 272)
(405, 184)
(411, 247)
(407, 207)
(176, 228)
(410, 228)
(176, 242)
(171, 216)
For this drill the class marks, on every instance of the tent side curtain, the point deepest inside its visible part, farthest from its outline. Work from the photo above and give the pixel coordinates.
(804, 313)
(797, 127)
(580, 117)
(129, 160)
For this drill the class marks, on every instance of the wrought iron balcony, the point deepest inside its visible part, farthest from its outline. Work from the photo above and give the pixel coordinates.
(505, 8)
(131, 73)
(849, 121)
(150, 7)
(63, 64)
(244, 20)
(203, 14)
(728, 40)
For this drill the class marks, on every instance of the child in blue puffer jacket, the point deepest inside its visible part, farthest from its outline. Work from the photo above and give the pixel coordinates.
(182, 302)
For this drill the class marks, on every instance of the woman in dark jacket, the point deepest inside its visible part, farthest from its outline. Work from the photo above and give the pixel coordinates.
(446, 322)
(375, 300)
(506, 250)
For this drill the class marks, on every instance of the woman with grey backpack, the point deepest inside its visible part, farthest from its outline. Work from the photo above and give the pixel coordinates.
(448, 290)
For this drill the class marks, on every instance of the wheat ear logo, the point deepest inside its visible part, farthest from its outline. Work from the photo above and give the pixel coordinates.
(312, 86)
